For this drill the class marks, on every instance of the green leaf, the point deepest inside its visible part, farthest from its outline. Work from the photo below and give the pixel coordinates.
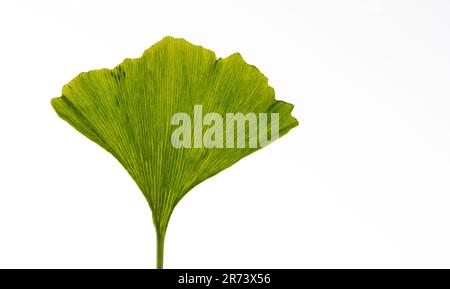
(128, 110)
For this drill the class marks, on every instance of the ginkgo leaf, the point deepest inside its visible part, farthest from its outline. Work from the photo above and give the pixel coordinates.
(131, 111)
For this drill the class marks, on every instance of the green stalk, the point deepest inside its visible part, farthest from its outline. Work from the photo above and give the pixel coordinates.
(161, 221)
(160, 235)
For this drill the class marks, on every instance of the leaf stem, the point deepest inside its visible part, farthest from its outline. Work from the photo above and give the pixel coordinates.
(160, 235)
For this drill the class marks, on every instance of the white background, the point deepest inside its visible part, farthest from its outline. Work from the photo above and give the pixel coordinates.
(363, 182)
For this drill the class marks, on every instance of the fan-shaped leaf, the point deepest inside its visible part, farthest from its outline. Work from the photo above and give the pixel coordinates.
(129, 111)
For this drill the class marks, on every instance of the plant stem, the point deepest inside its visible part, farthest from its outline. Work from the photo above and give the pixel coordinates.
(161, 220)
(160, 235)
